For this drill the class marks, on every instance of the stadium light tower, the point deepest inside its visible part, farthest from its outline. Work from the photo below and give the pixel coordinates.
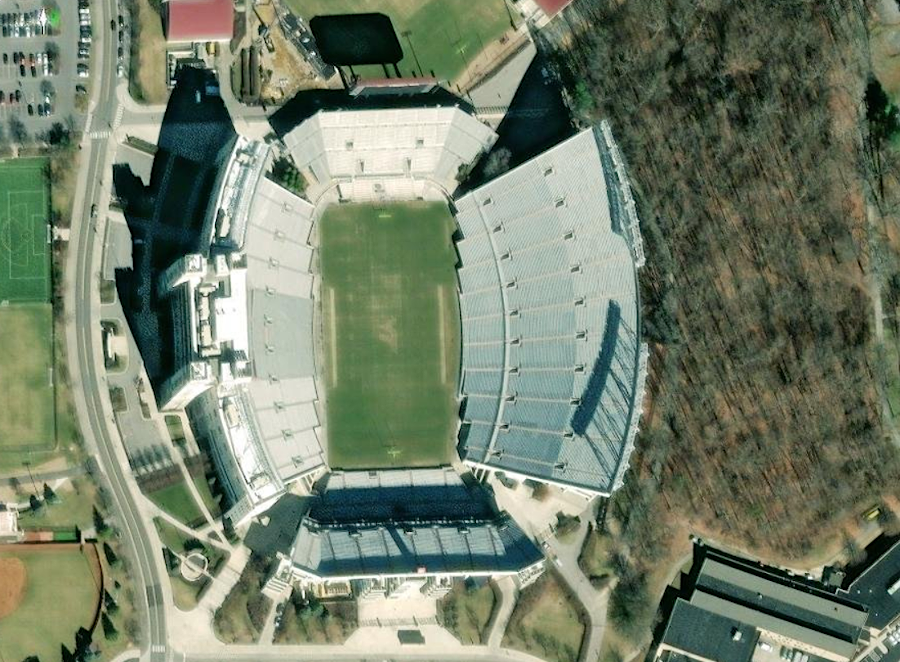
(408, 34)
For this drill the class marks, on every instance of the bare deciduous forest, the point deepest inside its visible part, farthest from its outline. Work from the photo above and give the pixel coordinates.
(744, 126)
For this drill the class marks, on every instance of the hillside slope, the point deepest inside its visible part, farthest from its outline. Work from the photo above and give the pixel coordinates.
(742, 124)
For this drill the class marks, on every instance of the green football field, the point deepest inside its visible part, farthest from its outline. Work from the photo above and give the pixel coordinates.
(443, 36)
(391, 334)
(24, 217)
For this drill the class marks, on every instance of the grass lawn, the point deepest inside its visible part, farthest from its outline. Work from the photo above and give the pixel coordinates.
(176, 429)
(316, 623)
(147, 79)
(595, 559)
(75, 508)
(391, 328)
(546, 622)
(26, 359)
(243, 613)
(439, 36)
(467, 611)
(187, 594)
(212, 505)
(177, 500)
(61, 595)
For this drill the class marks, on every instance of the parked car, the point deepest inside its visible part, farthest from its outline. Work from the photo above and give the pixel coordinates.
(22, 69)
(6, 58)
(30, 109)
(18, 95)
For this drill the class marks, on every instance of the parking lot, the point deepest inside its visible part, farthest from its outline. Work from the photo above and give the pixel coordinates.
(38, 66)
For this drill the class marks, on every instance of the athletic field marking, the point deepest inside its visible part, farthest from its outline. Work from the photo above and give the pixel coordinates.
(385, 215)
(443, 334)
(28, 248)
(332, 332)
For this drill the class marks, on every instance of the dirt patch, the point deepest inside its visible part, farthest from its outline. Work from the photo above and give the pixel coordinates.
(13, 580)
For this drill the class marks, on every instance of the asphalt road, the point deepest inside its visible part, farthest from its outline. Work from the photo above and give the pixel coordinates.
(95, 153)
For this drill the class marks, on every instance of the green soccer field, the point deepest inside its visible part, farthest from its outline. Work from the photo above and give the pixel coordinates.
(391, 334)
(61, 594)
(443, 36)
(24, 217)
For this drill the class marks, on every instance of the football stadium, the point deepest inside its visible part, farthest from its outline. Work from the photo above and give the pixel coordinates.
(383, 344)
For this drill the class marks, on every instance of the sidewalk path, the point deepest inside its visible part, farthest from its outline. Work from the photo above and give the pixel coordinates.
(508, 597)
(46, 477)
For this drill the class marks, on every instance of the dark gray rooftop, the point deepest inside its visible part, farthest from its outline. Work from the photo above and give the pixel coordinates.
(745, 592)
(708, 635)
(870, 588)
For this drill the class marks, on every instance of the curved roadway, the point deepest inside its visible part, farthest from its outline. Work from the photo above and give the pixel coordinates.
(89, 388)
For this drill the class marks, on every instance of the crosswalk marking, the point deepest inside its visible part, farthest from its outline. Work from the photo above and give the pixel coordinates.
(100, 135)
(119, 113)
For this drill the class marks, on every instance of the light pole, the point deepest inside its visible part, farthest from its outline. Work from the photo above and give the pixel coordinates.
(27, 464)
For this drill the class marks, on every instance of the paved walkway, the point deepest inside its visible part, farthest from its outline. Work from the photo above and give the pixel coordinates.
(46, 477)
(533, 516)
(268, 631)
(508, 597)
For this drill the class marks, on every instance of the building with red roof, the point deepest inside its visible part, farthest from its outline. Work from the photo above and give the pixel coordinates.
(199, 20)
(552, 7)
